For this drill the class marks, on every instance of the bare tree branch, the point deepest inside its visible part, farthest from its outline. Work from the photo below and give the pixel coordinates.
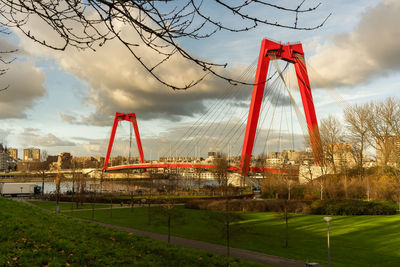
(159, 26)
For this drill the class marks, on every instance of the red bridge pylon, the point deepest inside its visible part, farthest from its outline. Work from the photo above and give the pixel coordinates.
(292, 53)
(124, 117)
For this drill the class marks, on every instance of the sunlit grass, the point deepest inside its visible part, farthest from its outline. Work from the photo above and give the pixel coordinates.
(30, 236)
(355, 240)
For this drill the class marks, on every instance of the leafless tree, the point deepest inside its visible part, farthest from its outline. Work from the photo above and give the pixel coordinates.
(379, 128)
(284, 214)
(390, 108)
(225, 223)
(331, 133)
(344, 164)
(43, 166)
(314, 175)
(357, 123)
(356, 119)
(220, 171)
(78, 184)
(161, 26)
(396, 167)
(6, 57)
(197, 172)
(59, 177)
(171, 212)
(262, 164)
(290, 183)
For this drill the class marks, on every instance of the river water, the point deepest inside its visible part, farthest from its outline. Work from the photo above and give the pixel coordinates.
(115, 186)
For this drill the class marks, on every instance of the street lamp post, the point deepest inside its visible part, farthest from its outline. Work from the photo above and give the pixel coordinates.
(328, 219)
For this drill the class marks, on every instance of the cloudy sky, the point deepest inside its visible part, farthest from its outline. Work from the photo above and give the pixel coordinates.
(65, 101)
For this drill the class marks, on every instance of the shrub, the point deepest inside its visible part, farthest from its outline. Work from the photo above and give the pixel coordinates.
(252, 205)
(325, 207)
(351, 207)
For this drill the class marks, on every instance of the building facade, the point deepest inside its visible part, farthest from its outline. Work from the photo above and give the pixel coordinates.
(13, 152)
(31, 154)
(342, 156)
(3, 158)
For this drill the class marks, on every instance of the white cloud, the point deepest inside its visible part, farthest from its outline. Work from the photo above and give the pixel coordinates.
(371, 50)
(117, 82)
(34, 137)
(25, 85)
(3, 135)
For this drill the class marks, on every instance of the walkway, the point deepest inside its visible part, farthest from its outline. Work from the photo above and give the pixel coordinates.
(219, 249)
(195, 244)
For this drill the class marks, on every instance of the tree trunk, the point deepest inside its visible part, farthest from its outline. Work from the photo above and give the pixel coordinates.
(111, 203)
(132, 200)
(287, 229)
(92, 207)
(199, 181)
(149, 213)
(169, 228)
(399, 201)
(345, 185)
(321, 190)
(227, 238)
(42, 183)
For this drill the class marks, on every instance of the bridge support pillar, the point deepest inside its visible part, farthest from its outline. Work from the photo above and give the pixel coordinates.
(292, 53)
(124, 117)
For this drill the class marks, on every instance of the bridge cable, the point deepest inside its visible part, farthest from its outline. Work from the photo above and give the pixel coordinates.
(273, 90)
(299, 115)
(217, 127)
(199, 122)
(258, 132)
(242, 120)
(272, 120)
(206, 129)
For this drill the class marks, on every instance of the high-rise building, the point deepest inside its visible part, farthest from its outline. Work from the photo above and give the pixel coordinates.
(3, 158)
(341, 155)
(13, 152)
(31, 154)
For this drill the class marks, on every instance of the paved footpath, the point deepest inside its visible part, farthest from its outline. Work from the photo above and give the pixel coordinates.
(219, 249)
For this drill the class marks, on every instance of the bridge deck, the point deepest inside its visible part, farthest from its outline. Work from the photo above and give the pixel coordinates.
(199, 166)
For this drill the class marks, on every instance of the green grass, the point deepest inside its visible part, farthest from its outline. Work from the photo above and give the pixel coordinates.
(66, 206)
(30, 236)
(355, 240)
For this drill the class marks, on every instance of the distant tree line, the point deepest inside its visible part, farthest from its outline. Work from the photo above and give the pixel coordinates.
(352, 169)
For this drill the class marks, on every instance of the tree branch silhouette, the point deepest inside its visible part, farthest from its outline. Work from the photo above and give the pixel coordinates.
(159, 25)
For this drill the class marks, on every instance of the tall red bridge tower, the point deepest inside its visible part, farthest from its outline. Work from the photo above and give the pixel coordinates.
(124, 117)
(292, 53)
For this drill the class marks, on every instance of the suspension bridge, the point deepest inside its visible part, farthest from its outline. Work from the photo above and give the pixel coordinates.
(270, 90)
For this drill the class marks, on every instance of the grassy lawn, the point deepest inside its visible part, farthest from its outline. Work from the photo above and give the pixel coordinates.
(65, 206)
(355, 240)
(32, 237)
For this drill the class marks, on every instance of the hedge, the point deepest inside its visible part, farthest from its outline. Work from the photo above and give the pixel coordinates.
(351, 207)
(246, 205)
(323, 207)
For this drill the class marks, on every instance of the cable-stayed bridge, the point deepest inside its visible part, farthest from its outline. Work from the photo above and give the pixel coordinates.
(274, 96)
